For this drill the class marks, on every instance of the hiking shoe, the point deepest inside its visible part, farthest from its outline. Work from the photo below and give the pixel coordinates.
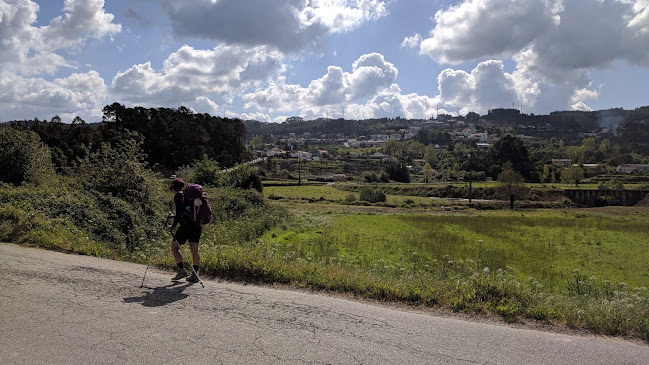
(182, 273)
(193, 278)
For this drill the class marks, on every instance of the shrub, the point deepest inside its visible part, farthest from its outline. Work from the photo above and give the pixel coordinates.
(370, 177)
(243, 177)
(351, 197)
(23, 157)
(229, 203)
(372, 195)
(112, 196)
(205, 172)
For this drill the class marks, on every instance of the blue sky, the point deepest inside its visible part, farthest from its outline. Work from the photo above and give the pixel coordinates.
(272, 59)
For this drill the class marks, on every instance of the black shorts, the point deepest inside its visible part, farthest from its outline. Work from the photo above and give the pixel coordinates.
(188, 233)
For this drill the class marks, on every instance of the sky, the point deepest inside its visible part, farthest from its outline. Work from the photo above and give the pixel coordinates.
(272, 59)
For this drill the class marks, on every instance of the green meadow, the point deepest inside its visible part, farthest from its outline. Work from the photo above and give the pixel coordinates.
(584, 268)
(327, 193)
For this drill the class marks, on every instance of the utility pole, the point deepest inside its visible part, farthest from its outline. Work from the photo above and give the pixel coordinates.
(470, 177)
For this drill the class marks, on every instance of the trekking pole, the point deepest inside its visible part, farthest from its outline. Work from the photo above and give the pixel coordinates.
(147, 269)
(169, 215)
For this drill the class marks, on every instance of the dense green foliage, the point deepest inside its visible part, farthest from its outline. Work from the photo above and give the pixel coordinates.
(177, 137)
(170, 137)
(635, 131)
(112, 206)
(371, 195)
(207, 172)
(23, 157)
(111, 198)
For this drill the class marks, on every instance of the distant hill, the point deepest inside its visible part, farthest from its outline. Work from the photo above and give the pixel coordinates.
(565, 121)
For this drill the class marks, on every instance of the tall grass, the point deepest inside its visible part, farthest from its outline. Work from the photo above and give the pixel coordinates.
(571, 268)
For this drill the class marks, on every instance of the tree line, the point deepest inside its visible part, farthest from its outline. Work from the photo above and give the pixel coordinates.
(169, 137)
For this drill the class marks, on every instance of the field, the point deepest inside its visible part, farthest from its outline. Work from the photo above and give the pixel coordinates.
(585, 268)
(325, 193)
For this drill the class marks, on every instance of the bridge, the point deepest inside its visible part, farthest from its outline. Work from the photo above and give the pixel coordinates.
(594, 198)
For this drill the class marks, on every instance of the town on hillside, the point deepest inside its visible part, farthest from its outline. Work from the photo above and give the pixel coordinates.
(563, 147)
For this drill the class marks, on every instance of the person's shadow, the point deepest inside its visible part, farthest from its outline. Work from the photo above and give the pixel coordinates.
(161, 295)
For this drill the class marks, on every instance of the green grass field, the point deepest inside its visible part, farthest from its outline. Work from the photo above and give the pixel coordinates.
(579, 267)
(330, 194)
(545, 245)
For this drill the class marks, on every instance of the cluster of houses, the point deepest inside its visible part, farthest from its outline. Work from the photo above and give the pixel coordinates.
(469, 132)
(310, 155)
(624, 168)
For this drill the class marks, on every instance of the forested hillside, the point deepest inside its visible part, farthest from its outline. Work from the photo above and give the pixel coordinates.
(169, 137)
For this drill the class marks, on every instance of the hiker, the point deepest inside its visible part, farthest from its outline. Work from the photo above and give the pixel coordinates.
(190, 229)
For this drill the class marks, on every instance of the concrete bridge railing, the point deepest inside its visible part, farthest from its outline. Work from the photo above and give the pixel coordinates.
(593, 198)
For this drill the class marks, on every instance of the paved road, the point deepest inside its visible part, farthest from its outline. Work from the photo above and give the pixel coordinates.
(69, 309)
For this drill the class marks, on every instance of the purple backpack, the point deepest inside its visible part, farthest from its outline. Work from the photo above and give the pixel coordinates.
(197, 209)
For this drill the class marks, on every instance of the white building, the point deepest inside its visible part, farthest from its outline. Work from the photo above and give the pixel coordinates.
(632, 168)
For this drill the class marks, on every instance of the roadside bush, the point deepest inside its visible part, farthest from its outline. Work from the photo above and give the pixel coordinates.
(23, 157)
(111, 198)
(242, 177)
(229, 203)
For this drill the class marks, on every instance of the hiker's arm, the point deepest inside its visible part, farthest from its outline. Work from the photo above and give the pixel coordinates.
(178, 202)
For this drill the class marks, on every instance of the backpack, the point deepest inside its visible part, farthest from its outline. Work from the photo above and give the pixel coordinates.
(196, 207)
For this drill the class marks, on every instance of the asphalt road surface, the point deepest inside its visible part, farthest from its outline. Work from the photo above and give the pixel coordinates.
(68, 309)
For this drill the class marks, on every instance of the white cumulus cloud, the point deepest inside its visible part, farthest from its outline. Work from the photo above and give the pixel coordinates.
(487, 86)
(190, 73)
(370, 74)
(289, 25)
(30, 50)
(555, 44)
(80, 93)
(412, 42)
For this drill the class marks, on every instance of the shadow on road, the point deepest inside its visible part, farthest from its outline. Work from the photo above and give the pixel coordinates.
(161, 295)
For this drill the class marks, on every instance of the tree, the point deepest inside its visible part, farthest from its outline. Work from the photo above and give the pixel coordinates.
(23, 157)
(577, 154)
(472, 116)
(428, 172)
(256, 142)
(398, 172)
(205, 171)
(572, 175)
(512, 149)
(430, 155)
(512, 186)
(545, 176)
(604, 146)
(372, 195)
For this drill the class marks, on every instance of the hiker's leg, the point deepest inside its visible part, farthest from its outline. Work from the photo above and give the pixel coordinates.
(193, 246)
(175, 251)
